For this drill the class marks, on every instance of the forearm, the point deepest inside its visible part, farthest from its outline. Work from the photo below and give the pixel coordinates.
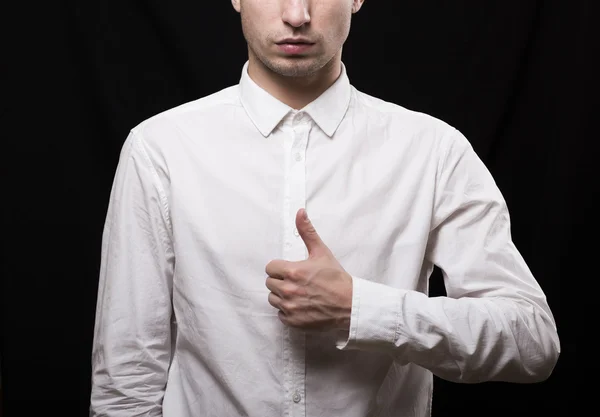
(462, 340)
(122, 389)
(129, 374)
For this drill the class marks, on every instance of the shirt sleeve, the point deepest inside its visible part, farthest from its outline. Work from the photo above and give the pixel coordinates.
(495, 323)
(132, 335)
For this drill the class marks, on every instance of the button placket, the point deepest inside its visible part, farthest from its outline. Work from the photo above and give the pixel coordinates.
(296, 157)
(298, 183)
(288, 343)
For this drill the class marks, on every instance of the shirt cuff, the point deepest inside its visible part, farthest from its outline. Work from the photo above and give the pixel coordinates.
(375, 316)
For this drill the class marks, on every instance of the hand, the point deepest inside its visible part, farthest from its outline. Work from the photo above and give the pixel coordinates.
(314, 294)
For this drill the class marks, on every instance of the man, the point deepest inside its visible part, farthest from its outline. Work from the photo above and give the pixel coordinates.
(219, 297)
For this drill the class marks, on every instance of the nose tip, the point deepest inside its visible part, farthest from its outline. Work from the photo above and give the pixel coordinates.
(296, 13)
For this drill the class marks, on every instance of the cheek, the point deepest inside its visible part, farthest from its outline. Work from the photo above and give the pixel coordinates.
(338, 27)
(250, 30)
(254, 26)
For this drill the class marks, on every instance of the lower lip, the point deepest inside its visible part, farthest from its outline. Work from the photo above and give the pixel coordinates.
(294, 48)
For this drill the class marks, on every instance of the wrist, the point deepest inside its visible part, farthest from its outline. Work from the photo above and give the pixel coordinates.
(346, 313)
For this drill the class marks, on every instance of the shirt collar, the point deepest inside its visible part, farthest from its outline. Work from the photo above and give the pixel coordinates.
(266, 112)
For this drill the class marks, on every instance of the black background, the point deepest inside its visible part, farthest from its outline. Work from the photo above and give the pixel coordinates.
(517, 77)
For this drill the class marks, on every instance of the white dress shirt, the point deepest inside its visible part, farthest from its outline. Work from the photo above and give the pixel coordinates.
(205, 195)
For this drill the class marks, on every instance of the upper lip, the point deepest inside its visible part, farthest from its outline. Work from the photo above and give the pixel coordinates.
(294, 40)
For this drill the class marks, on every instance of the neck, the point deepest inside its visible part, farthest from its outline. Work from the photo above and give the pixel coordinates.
(296, 92)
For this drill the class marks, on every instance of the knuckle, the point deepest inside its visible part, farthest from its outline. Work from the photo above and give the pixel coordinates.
(288, 271)
(294, 274)
(288, 290)
(288, 306)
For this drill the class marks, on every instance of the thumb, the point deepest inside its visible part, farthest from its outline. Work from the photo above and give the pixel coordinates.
(312, 240)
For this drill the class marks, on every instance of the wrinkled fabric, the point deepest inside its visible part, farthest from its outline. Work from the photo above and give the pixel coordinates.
(205, 195)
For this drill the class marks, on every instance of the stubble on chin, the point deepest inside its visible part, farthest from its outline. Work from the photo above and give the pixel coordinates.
(297, 67)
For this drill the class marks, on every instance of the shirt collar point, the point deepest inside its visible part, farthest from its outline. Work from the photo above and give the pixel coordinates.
(266, 112)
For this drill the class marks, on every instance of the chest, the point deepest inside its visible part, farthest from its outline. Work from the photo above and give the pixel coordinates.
(233, 208)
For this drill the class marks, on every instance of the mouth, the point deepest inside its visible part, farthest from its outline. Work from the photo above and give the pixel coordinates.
(295, 41)
(294, 46)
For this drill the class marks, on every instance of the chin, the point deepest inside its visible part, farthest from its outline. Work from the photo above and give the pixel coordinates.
(298, 66)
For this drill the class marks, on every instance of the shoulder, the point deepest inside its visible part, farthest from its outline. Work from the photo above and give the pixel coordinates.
(188, 118)
(395, 113)
(412, 125)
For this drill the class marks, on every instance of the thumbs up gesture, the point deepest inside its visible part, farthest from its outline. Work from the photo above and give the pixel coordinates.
(314, 294)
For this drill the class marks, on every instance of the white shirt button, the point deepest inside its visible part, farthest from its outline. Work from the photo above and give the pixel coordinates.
(296, 233)
(296, 397)
(298, 156)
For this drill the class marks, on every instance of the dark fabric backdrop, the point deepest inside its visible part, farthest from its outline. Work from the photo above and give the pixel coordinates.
(518, 78)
